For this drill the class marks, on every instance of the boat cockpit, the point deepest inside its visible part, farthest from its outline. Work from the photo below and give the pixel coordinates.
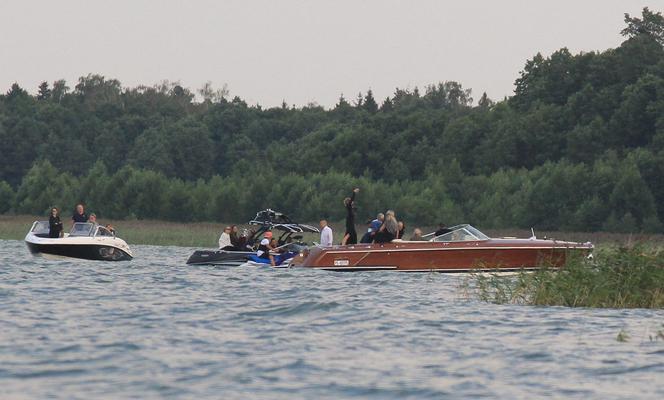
(461, 233)
(80, 229)
(268, 220)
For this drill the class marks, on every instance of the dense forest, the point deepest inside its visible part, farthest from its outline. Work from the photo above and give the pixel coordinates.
(579, 146)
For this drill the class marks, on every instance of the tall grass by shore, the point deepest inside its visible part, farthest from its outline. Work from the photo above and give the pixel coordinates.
(160, 233)
(205, 234)
(617, 277)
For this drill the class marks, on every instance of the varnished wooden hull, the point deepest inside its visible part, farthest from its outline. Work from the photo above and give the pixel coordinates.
(486, 255)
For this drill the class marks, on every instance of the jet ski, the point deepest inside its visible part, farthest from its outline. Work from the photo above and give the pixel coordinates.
(281, 260)
(86, 240)
(265, 220)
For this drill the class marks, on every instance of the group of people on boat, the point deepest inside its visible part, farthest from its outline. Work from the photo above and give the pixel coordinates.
(231, 239)
(383, 229)
(56, 227)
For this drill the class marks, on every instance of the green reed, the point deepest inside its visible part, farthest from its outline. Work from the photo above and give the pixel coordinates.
(617, 277)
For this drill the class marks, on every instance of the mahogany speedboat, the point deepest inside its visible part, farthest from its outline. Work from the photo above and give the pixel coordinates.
(463, 249)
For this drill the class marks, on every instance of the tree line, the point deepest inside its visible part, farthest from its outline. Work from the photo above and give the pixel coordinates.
(580, 145)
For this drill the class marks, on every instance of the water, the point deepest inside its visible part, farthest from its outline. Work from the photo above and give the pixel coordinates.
(156, 328)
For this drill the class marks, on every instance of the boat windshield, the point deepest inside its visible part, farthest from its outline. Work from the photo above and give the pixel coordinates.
(103, 231)
(82, 229)
(40, 228)
(461, 233)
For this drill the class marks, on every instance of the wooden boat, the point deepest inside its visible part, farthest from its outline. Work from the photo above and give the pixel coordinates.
(463, 249)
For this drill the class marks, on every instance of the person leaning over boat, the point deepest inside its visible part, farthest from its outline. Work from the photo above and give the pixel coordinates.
(264, 248)
(367, 238)
(350, 237)
(79, 214)
(374, 226)
(325, 233)
(54, 224)
(389, 230)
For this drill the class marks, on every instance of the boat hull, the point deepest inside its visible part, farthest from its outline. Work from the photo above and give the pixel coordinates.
(486, 255)
(83, 251)
(219, 257)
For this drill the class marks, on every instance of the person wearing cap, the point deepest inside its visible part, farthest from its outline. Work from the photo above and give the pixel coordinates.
(264, 248)
(225, 239)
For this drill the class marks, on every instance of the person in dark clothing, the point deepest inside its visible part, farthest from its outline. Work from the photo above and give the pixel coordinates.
(79, 214)
(389, 230)
(235, 237)
(350, 237)
(442, 229)
(54, 224)
(367, 237)
(402, 229)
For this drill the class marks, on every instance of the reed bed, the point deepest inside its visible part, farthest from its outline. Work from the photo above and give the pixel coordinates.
(617, 277)
(205, 234)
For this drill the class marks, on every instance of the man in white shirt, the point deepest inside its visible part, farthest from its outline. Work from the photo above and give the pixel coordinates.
(325, 234)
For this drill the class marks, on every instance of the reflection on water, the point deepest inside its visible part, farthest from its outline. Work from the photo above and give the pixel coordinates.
(154, 327)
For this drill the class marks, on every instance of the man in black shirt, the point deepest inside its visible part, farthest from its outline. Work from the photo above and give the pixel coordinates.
(442, 229)
(79, 214)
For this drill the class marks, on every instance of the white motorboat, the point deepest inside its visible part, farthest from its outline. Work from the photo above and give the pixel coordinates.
(85, 240)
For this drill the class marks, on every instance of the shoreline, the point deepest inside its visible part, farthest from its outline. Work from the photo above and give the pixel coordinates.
(206, 234)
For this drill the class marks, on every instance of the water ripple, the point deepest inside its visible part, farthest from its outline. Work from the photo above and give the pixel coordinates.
(155, 328)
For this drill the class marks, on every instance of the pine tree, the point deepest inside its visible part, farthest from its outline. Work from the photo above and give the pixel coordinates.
(44, 92)
(370, 103)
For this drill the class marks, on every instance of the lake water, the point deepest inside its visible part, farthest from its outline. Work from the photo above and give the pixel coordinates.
(156, 328)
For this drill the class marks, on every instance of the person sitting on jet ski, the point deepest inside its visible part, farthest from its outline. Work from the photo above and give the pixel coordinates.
(264, 249)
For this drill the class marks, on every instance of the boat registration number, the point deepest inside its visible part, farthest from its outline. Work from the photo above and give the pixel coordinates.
(340, 263)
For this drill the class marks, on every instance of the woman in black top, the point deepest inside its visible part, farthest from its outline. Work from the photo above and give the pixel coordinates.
(350, 237)
(54, 224)
(235, 238)
(402, 229)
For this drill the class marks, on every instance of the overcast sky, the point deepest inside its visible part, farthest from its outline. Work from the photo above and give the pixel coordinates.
(299, 51)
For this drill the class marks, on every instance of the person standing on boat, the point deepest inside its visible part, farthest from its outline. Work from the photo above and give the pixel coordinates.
(54, 224)
(325, 234)
(350, 237)
(79, 214)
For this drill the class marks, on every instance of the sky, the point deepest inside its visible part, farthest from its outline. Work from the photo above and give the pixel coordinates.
(299, 51)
